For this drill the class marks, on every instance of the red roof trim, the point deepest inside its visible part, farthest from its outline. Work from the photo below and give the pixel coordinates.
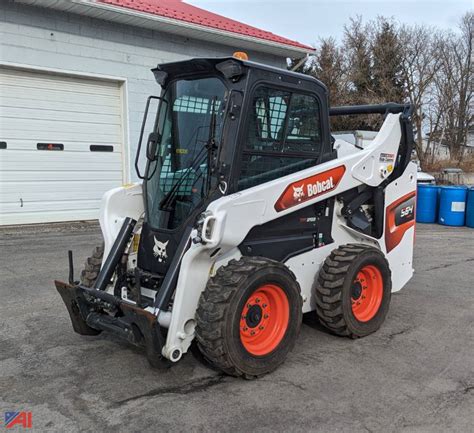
(178, 10)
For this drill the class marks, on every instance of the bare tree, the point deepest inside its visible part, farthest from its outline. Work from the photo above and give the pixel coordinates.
(357, 48)
(381, 60)
(453, 87)
(329, 67)
(419, 66)
(387, 53)
(462, 70)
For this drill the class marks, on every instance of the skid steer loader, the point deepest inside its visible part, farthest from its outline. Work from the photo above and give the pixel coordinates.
(250, 213)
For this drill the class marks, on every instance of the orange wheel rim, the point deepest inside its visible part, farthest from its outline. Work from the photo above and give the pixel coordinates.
(264, 319)
(367, 293)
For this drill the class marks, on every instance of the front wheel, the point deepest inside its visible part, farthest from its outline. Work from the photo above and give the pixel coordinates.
(249, 316)
(353, 290)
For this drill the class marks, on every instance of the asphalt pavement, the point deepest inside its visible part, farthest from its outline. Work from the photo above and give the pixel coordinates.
(416, 374)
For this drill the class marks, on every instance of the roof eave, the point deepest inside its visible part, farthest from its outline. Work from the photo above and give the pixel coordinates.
(128, 16)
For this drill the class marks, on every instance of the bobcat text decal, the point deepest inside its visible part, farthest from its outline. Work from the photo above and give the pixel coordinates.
(309, 188)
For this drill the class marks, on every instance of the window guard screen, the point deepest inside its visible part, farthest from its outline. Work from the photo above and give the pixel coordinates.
(284, 136)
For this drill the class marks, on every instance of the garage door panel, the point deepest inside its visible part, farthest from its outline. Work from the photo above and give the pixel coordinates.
(16, 146)
(52, 160)
(63, 137)
(69, 166)
(28, 206)
(112, 175)
(65, 106)
(7, 134)
(46, 191)
(34, 80)
(47, 115)
(55, 96)
(58, 127)
(57, 185)
(48, 216)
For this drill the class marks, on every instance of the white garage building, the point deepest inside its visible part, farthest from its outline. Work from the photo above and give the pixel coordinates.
(74, 78)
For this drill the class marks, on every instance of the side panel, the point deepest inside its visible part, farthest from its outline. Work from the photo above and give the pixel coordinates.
(117, 204)
(399, 236)
(292, 234)
(306, 266)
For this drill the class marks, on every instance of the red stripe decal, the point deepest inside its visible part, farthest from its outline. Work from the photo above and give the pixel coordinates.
(309, 188)
(399, 217)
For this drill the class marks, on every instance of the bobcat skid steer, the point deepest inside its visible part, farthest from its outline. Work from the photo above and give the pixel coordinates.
(250, 214)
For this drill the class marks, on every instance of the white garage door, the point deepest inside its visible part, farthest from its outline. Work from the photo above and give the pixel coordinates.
(60, 146)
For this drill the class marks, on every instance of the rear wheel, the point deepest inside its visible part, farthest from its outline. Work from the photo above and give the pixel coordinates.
(353, 290)
(92, 267)
(249, 316)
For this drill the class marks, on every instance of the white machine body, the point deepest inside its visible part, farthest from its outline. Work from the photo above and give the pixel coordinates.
(228, 220)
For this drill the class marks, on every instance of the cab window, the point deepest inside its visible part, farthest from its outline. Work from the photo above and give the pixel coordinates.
(284, 136)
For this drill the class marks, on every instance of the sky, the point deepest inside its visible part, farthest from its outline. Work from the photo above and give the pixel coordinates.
(308, 20)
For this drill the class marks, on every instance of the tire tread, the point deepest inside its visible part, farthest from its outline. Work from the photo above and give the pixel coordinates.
(329, 287)
(212, 310)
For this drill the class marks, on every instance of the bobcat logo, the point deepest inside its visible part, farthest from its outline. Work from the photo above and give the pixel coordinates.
(298, 192)
(159, 250)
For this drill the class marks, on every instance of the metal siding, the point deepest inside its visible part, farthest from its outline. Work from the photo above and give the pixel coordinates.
(50, 40)
(45, 186)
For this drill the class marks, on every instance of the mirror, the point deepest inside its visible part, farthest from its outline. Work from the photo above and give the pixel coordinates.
(153, 139)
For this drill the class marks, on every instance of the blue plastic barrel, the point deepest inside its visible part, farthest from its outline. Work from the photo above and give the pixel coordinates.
(470, 208)
(452, 205)
(426, 203)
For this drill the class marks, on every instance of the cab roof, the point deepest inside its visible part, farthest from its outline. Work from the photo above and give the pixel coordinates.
(202, 65)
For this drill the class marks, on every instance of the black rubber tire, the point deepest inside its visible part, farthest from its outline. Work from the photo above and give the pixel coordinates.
(219, 312)
(333, 290)
(92, 267)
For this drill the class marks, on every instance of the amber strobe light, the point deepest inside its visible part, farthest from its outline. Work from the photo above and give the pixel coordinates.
(240, 55)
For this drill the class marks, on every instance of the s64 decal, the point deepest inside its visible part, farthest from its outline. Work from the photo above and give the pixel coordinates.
(405, 212)
(309, 188)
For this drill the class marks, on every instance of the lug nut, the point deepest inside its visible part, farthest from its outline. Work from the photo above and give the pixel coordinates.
(261, 327)
(264, 305)
(249, 305)
(257, 300)
(245, 328)
(252, 332)
(265, 316)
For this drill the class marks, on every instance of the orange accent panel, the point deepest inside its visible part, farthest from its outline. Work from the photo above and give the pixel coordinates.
(394, 232)
(309, 188)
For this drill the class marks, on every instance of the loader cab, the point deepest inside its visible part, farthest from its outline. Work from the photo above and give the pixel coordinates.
(284, 127)
(223, 125)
